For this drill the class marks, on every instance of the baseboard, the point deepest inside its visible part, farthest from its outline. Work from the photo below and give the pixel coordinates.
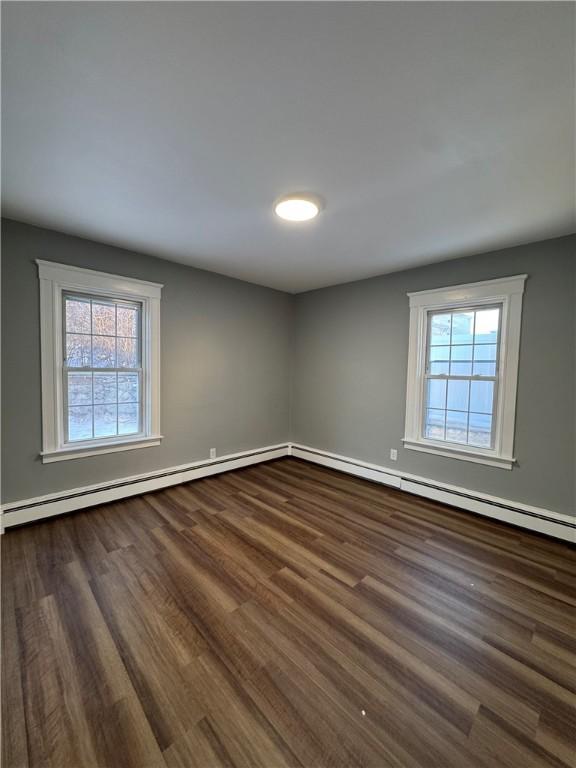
(516, 513)
(28, 510)
(545, 521)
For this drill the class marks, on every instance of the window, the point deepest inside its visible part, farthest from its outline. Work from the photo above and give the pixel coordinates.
(462, 370)
(460, 389)
(100, 362)
(102, 367)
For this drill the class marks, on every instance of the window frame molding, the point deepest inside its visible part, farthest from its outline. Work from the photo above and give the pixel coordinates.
(508, 292)
(56, 279)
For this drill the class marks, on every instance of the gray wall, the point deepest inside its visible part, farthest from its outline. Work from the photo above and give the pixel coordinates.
(245, 366)
(225, 358)
(351, 348)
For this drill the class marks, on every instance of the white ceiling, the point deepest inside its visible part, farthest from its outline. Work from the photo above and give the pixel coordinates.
(431, 130)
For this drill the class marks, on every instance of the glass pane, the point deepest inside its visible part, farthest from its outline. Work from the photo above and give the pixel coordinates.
(80, 422)
(104, 319)
(461, 369)
(434, 426)
(439, 353)
(79, 389)
(484, 369)
(485, 352)
(462, 327)
(105, 420)
(440, 329)
(436, 393)
(128, 387)
(479, 430)
(481, 396)
(77, 351)
(127, 321)
(486, 330)
(128, 419)
(105, 388)
(127, 353)
(438, 368)
(103, 352)
(458, 395)
(461, 352)
(456, 426)
(77, 316)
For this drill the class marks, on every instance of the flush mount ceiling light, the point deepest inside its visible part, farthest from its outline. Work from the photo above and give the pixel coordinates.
(297, 207)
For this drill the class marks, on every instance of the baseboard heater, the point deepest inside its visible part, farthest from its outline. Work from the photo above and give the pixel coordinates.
(26, 511)
(545, 521)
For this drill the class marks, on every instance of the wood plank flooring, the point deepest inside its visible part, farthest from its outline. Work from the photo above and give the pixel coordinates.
(286, 615)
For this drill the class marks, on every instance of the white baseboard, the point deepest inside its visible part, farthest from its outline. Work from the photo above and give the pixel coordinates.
(25, 511)
(545, 521)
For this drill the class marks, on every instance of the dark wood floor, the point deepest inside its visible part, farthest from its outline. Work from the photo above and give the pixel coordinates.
(286, 615)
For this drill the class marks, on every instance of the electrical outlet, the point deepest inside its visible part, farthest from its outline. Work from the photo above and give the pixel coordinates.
(393, 454)
(212, 453)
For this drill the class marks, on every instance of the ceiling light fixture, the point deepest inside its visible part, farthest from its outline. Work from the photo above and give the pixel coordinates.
(297, 207)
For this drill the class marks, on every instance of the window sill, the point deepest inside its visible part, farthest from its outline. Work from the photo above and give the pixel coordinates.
(453, 452)
(96, 449)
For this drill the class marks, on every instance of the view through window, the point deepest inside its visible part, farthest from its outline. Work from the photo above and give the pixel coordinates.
(462, 355)
(102, 367)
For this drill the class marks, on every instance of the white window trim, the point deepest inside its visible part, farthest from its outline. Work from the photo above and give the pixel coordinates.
(506, 291)
(54, 280)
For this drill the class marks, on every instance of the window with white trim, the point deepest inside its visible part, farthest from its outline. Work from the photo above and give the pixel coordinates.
(100, 337)
(462, 370)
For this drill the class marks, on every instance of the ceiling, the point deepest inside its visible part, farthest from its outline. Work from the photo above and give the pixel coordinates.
(431, 130)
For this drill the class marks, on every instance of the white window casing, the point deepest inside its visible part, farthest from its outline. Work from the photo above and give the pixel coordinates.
(55, 281)
(505, 292)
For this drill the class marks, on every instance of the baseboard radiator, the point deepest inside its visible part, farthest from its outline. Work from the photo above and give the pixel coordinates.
(536, 519)
(545, 521)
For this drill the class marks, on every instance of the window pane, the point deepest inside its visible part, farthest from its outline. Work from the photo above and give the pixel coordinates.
(461, 369)
(439, 353)
(485, 352)
(434, 427)
(104, 319)
(439, 368)
(77, 316)
(105, 388)
(128, 419)
(479, 431)
(486, 330)
(440, 329)
(127, 321)
(484, 369)
(127, 353)
(77, 351)
(103, 352)
(128, 388)
(436, 393)
(79, 389)
(462, 327)
(105, 420)
(80, 422)
(481, 396)
(456, 426)
(458, 395)
(461, 352)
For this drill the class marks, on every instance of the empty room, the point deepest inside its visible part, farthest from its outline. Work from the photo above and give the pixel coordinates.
(288, 385)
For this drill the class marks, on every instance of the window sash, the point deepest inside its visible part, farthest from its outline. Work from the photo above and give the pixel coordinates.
(117, 435)
(101, 299)
(492, 414)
